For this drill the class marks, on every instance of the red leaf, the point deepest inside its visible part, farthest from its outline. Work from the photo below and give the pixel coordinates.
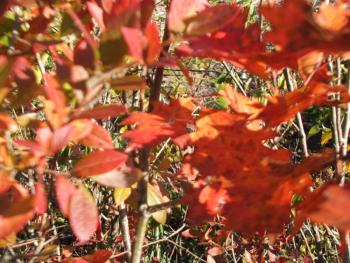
(146, 8)
(70, 72)
(55, 106)
(54, 92)
(135, 41)
(216, 251)
(97, 13)
(154, 47)
(151, 129)
(6, 182)
(98, 137)
(23, 73)
(107, 5)
(328, 205)
(99, 256)
(167, 121)
(40, 199)
(83, 214)
(99, 162)
(208, 20)
(102, 111)
(65, 189)
(71, 132)
(181, 10)
(4, 5)
(84, 55)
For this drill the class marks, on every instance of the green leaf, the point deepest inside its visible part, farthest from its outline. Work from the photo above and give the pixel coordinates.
(221, 103)
(313, 131)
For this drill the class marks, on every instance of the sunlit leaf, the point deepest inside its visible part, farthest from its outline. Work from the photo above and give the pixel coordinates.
(99, 163)
(121, 194)
(154, 197)
(83, 214)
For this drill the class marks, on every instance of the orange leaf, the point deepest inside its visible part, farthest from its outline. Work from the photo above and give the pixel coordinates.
(181, 10)
(16, 209)
(101, 112)
(7, 123)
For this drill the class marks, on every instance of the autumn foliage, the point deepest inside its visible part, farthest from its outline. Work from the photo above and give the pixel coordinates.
(229, 169)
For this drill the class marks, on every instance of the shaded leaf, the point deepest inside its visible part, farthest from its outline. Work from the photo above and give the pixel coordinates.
(132, 82)
(16, 209)
(84, 55)
(102, 111)
(328, 205)
(313, 131)
(327, 135)
(123, 176)
(207, 21)
(216, 251)
(8, 240)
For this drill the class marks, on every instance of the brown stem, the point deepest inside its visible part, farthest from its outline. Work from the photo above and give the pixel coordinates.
(158, 76)
(143, 217)
(346, 127)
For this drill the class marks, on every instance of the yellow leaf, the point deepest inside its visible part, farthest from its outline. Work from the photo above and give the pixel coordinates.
(347, 167)
(8, 240)
(326, 136)
(121, 194)
(154, 197)
(47, 252)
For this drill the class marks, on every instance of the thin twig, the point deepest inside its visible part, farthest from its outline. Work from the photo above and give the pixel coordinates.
(187, 251)
(162, 206)
(290, 86)
(124, 222)
(153, 242)
(234, 77)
